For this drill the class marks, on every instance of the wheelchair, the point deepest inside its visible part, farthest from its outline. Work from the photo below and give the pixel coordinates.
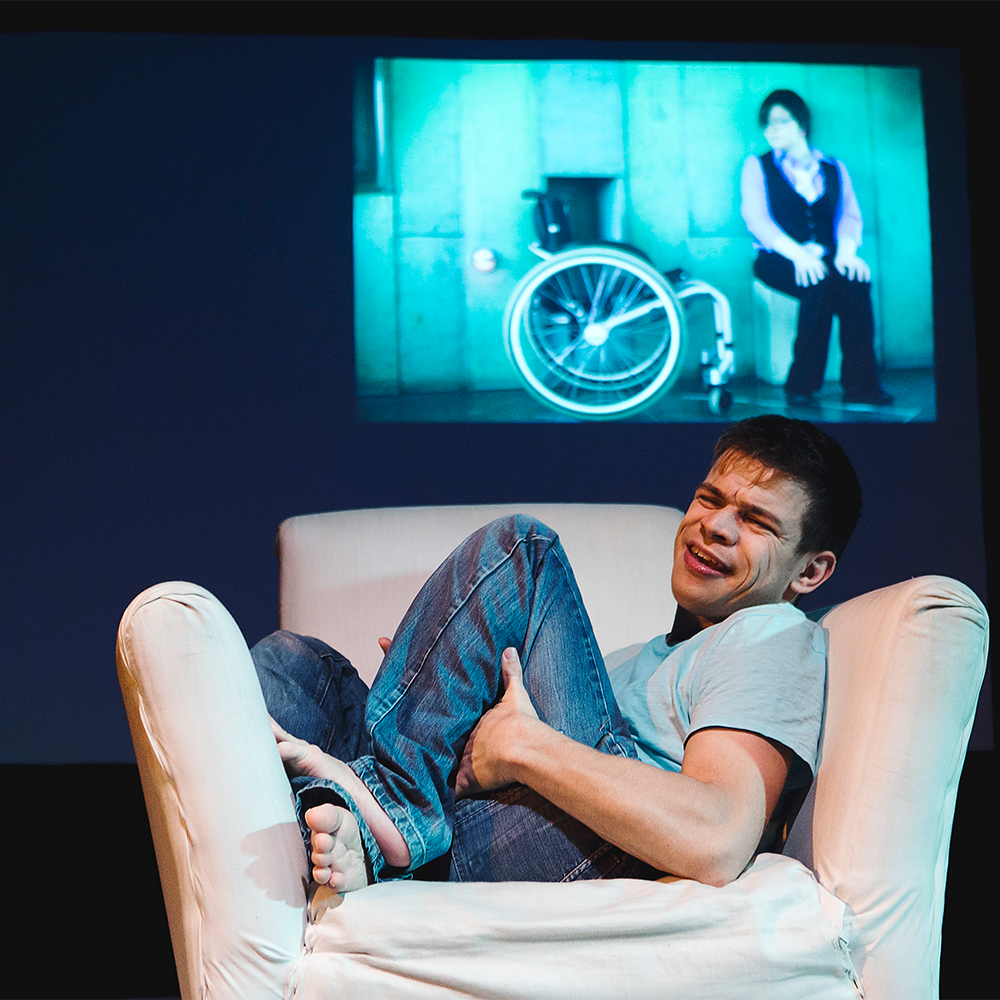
(597, 332)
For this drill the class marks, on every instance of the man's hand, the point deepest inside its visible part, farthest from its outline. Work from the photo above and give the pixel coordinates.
(483, 767)
(300, 757)
(702, 823)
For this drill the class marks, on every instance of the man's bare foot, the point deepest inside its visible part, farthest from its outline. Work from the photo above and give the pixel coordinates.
(301, 758)
(338, 856)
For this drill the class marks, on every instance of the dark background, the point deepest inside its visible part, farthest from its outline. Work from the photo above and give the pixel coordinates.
(176, 344)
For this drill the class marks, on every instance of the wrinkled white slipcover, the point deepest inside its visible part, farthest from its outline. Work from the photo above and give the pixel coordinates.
(906, 665)
(774, 932)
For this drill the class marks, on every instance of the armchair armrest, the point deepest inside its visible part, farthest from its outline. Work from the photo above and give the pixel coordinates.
(231, 859)
(906, 666)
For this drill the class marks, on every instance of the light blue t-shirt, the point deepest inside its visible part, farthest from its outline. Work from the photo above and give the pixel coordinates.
(763, 670)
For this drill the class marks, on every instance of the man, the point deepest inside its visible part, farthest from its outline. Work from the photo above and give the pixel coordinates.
(684, 761)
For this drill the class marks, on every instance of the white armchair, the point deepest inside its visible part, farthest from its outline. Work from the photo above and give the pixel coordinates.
(858, 895)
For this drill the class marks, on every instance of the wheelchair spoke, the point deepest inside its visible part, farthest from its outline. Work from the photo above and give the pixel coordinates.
(624, 302)
(589, 291)
(604, 289)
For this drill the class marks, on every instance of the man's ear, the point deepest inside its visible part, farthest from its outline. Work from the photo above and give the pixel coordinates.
(817, 570)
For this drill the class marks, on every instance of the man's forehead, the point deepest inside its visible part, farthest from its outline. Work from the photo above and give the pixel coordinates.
(756, 472)
(770, 487)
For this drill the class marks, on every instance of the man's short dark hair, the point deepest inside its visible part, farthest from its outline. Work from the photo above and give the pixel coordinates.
(801, 451)
(792, 103)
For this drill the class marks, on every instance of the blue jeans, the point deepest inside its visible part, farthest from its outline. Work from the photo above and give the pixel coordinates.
(508, 584)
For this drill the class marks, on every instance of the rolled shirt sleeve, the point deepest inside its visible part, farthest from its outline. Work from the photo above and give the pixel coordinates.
(753, 205)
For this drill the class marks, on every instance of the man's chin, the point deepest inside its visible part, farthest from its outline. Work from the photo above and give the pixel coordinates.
(698, 596)
(707, 612)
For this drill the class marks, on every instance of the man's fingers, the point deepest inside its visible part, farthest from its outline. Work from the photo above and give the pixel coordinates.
(279, 733)
(289, 752)
(283, 736)
(465, 780)
(510, 665)
(385, 643)
(515, 693)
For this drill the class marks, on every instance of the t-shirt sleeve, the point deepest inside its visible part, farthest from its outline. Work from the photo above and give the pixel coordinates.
(764, 673)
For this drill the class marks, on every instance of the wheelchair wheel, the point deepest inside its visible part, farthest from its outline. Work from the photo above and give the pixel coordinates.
(595, 332)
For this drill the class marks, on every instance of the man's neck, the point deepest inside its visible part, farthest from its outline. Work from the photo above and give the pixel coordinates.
(685, 625)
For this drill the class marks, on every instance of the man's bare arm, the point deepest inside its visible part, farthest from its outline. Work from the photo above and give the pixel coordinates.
(703, 823)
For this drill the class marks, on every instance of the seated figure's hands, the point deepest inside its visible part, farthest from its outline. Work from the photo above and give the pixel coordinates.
(808, 264)
(851, 266)
(483, 767)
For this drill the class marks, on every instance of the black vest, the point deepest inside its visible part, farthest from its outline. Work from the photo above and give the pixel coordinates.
(805, 223)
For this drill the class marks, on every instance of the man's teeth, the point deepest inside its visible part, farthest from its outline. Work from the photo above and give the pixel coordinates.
(706, 558)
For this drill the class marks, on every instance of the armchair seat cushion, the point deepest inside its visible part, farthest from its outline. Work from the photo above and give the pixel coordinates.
(774, 932)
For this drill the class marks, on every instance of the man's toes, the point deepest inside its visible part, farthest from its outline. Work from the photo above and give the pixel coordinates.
(325, 818)
(338, 881)
(322, 843)
(321, 855)
(337, 852)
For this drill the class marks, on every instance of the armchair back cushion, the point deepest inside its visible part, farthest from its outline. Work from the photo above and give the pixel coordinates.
(348, 577)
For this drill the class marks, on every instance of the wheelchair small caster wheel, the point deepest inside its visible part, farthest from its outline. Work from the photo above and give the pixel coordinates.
(720, 400)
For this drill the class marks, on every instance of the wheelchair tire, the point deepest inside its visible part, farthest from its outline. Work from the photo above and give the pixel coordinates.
(595, 332)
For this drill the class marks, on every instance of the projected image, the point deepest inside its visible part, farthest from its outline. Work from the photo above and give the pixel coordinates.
(579, 241)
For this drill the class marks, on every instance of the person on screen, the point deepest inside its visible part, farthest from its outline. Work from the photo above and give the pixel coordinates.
(801, 210)
(497, 747)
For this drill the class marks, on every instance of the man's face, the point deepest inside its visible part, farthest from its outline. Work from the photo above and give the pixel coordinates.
(737, 545)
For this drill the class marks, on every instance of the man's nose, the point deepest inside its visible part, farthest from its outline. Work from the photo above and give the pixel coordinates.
(720, 525)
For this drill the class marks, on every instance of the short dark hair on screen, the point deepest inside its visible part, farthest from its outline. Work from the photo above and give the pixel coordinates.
(809, 456)
(792, 103)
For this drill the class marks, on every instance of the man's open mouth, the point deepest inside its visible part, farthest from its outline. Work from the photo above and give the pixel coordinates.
(705, 559)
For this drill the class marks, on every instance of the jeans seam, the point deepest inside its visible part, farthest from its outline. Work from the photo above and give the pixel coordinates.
(607, 728)
(588, 862)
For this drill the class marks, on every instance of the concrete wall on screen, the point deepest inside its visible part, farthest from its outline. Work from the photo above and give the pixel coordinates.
(465, 138)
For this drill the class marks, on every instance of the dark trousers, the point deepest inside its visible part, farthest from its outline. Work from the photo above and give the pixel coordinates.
(835, 295)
